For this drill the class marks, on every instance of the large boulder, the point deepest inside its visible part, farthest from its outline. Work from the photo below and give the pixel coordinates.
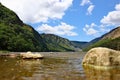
(30, 55)
(102, 57)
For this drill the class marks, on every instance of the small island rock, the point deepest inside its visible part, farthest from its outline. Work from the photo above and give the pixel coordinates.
(30, 55)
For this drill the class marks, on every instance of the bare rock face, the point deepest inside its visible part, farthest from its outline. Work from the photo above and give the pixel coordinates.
(30, 55)
(115, 33)
(102, 57)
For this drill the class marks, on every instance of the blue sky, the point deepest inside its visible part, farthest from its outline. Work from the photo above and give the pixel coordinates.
(79, 20)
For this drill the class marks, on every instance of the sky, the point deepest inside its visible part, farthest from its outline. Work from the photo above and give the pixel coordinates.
(77, 20)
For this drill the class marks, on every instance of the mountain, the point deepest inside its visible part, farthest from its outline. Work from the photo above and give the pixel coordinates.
(109, 40)
(56, 43)
(17, 36)
(115, 33)
(78, 44)
(91, 42)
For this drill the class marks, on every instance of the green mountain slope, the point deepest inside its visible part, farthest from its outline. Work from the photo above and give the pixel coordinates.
(17, 36)
(109, 40)
(56, 43)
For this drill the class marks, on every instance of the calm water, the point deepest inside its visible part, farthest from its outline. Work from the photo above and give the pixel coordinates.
(64, 67)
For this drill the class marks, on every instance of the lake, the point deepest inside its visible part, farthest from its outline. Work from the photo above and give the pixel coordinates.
(55, 66)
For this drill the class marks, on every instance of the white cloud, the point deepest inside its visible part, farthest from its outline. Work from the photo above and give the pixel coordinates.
(117, 7)
(33, 11)
(84, 2)
(90, 9)
(89, 29)
(113, 17)
(108, 21)
(62, 29)
(95, 30)
(103, 28)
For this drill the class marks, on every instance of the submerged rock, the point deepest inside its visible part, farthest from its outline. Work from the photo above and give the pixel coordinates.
(102, 57)
(30, 55)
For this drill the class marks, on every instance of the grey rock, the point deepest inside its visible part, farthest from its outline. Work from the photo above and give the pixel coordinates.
(101, 56)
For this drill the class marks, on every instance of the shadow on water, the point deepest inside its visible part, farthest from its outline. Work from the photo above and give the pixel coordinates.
(95, 74)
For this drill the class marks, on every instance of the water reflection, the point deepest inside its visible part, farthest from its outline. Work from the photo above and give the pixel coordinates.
(52, 69)
(94, 74)
(10, 69)
(46, 69)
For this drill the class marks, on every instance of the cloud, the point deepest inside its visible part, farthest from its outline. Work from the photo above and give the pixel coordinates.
(113, 17)
(117, 7)
(84, 2)
(103, 28)
(89, 29)
(107, 22)
(34, 11)
(90, 9)
(62, 29)
(95, 30)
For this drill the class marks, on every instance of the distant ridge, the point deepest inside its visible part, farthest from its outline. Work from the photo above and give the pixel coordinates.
(78, 44)
(56, 43)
